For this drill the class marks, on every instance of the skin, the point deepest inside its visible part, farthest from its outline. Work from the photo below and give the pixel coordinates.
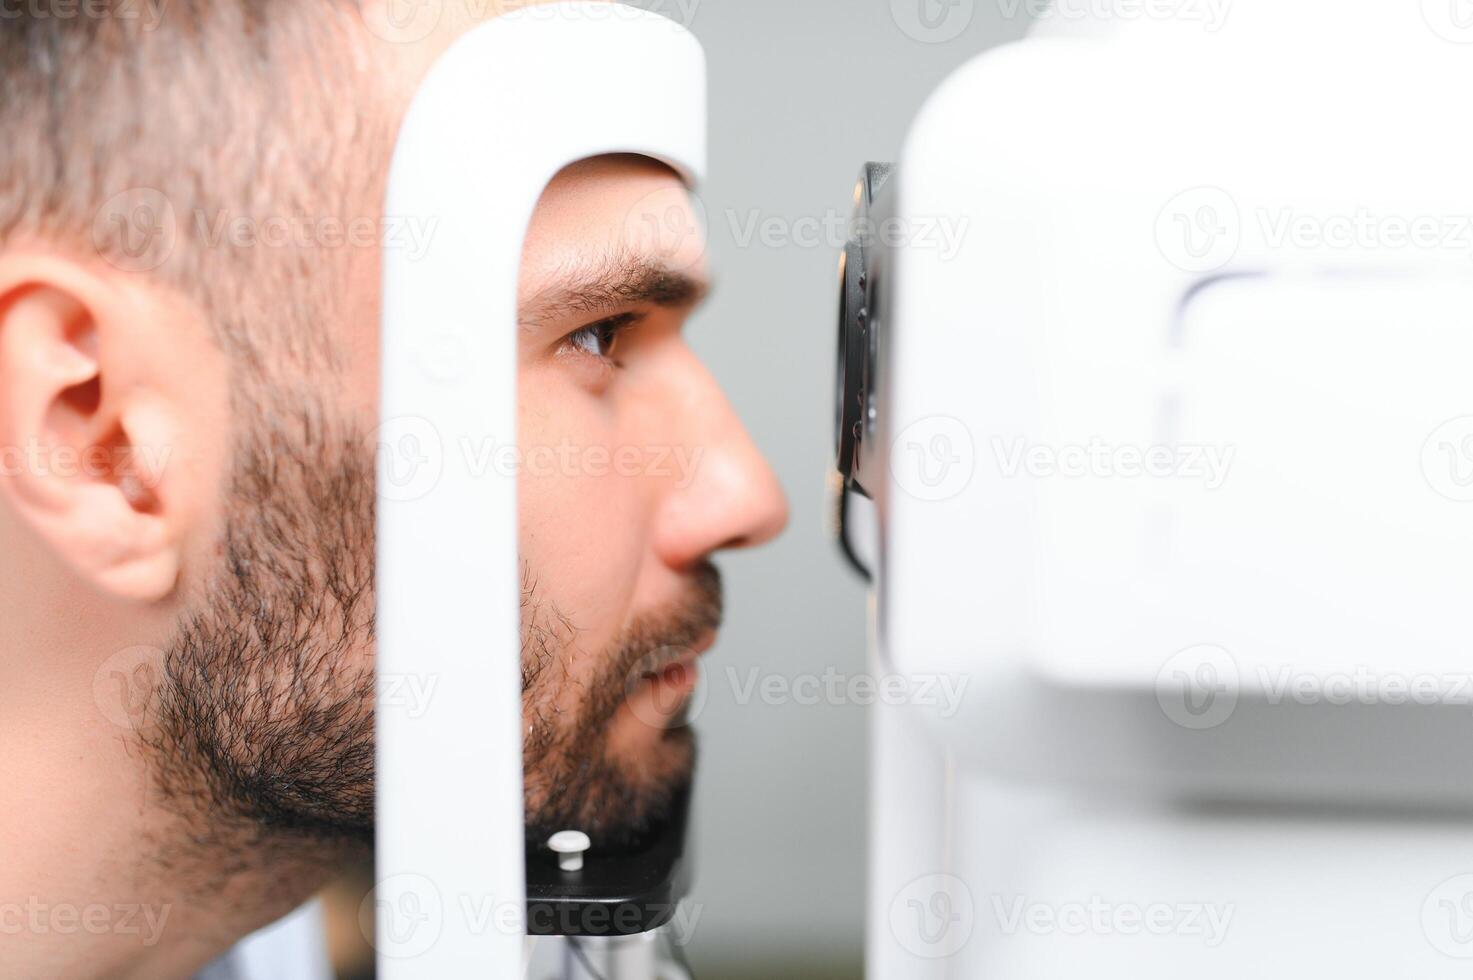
(111, 869)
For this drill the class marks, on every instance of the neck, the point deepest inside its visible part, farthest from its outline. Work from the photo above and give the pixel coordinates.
(102, 877)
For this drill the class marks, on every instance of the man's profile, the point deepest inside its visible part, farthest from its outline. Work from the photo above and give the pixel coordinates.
(188, 390)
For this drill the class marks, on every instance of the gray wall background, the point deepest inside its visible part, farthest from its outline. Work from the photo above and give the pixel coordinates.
(801, 93)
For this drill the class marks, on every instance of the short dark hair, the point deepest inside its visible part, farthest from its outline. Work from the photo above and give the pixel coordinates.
(205, 114)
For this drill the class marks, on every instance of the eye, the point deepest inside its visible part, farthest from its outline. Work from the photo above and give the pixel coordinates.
(599, 339)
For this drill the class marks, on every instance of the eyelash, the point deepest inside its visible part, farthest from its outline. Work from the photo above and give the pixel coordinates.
(604, 332)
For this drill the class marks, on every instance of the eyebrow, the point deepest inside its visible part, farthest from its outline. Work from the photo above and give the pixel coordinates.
(610, 281)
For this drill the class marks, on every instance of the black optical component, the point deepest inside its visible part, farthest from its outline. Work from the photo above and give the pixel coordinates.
(862, 275)
(859, 322)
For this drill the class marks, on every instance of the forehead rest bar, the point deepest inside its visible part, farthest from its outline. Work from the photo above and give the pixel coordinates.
(509, 105)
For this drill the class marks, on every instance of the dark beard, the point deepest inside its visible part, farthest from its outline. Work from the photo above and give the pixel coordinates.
(265, 716)
(264, 728)
(572, 779)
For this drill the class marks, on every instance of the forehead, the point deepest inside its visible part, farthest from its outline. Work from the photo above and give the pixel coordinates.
(621, 205)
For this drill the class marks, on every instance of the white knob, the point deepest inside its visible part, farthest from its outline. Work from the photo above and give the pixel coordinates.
(569, 846)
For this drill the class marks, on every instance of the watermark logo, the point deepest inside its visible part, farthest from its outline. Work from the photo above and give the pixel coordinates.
(943, 234)
(1207, 464)
(123, 685)
(142, 464)
(680, 13)
(1361, 685)
(402, 916)
(679, 464)
(38, 918)
(410, 458)
(409, 693)
(1099, 917)
(934, 458)
(148, 14)
(1200, 230)
(1210, 14)
(136, 230)
(408, 233)
(1203, 229)
(1451, 20)
(402, 21)
(668, 223)
(661, 705)
(942, 693)
(1288, 227)
(1198, 687)
(933, 916)
(1447, 459)
(1447, 917)
(933, 21)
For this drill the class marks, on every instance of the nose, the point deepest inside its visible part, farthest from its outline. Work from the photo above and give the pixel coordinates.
(728, 496)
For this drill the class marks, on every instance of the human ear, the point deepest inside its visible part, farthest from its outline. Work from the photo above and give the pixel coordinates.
(102, 429)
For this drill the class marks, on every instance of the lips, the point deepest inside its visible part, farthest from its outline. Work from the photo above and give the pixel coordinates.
(677, 678)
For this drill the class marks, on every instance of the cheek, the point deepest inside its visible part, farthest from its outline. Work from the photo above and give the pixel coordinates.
(356, 338)
(584, 529)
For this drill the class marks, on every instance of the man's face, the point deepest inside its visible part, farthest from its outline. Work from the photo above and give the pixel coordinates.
(632, 472)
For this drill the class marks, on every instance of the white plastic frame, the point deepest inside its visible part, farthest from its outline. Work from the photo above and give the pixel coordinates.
(1075, 311)
(508, 106)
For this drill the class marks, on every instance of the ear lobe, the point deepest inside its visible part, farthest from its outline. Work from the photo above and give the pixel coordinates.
(84, 437)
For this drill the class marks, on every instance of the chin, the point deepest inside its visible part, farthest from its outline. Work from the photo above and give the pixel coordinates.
(618, 801)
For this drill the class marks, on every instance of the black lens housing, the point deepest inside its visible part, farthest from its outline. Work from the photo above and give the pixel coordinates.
(858, 334)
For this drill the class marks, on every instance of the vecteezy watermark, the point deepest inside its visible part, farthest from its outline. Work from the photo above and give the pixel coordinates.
(933, 21)
(1447, 917)
(1361, 685)
(680, 464)
(678, 701)
(1209, 464)
(934, 458)
(147, 13)
(410, 693)
(143, 464)
(404, 915)
(1365, 229)
(669, 224)
(38, 917)
(933, 916)
(123, 685)
(1206, 921)
(402, 21)
(681, 12)
(1203, 229)
(598, 919)
(1200, 229)
(136, 229)
(832, 687)
(410, 233)
(1198, 687)
(1210, 14)
(410, 21)
(1447, 459)
(943, 234)
(411, 459)
(1451, 20)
